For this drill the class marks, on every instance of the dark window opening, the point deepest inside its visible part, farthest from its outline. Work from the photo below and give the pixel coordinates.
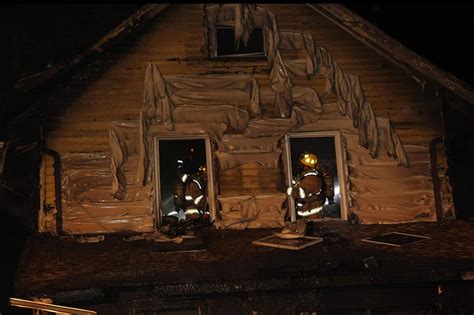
(324, 148)
(226, 47)
(178, 158)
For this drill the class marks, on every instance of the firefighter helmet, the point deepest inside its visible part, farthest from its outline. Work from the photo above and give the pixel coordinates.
(308, 159)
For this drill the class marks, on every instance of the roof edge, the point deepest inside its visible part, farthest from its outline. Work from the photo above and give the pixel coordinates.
(391, 49)
(142, 15)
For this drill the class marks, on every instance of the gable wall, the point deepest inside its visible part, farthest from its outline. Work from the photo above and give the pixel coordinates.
(110, 88)
(392, 93)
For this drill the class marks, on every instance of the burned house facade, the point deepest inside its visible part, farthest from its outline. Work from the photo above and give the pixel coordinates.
(221, 112)
(295, 77)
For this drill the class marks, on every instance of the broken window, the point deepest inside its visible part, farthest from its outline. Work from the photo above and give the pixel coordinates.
(315, 175)
(227, 47)
(184, 182)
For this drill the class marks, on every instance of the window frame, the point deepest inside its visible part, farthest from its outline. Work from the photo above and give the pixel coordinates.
(211, 195)
(340, 171)
(262, 55)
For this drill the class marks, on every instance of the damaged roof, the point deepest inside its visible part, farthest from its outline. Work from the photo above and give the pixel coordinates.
(231, 263)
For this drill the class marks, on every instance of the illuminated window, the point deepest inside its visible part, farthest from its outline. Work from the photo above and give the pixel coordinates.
(325, 149)
(184, 186)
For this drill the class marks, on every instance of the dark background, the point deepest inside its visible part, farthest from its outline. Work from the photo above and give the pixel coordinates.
(36, 37)
(437, 31)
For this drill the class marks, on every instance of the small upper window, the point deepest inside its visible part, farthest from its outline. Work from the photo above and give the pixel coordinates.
(226, 47)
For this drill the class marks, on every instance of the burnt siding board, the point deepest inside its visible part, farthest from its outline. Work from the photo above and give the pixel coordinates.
(110, 87)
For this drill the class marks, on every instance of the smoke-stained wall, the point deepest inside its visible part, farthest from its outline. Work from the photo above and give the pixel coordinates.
(108, 91)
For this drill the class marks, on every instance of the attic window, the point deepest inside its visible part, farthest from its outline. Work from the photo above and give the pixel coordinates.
(226, 47)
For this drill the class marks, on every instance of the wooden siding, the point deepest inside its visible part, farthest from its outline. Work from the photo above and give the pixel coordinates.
(248, 179)
(110, 88)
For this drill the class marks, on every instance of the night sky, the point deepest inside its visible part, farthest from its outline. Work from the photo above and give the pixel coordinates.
(43, 35)
(36, 37)
(440, 32)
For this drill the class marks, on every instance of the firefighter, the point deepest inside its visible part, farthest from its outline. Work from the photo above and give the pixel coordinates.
(312, 187)
(179, 187)
(184, 166)
(196, 193)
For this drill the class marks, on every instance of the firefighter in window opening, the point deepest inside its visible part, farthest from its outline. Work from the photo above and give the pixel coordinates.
(196, 193)
(184, 165)
(312, 187)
